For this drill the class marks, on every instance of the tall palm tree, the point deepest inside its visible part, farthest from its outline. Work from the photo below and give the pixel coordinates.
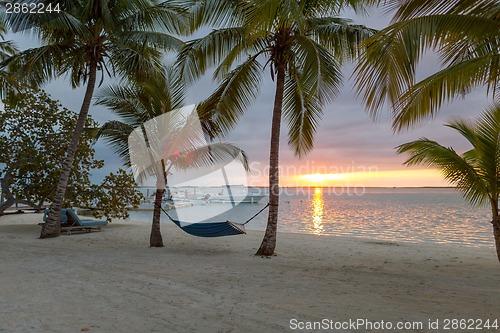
(476, 173)
(465, 34)
(302, 42)
(141, 103)
(115, 38)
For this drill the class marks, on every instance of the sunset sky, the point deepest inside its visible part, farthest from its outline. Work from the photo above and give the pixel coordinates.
(351, 149)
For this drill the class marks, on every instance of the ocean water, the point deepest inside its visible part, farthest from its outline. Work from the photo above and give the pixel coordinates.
(437, 215)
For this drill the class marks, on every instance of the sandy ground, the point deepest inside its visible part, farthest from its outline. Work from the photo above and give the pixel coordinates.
(111, 281)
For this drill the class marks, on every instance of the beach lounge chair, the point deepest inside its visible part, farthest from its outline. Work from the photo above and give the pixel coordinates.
(72, 222)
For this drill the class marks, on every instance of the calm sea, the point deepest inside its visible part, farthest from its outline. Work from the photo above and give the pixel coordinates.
(437, 215)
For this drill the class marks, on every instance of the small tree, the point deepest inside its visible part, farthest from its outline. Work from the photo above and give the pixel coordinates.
(110, 198)
(34, 134)
(476, 173)
(121, 39)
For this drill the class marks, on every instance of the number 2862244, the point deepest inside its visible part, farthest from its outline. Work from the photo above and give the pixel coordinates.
(31, 8)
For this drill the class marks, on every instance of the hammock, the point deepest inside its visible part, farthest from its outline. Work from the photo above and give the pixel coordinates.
(143, 143)
(213, 229)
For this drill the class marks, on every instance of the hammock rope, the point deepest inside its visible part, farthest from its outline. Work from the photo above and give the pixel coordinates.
(213, 229)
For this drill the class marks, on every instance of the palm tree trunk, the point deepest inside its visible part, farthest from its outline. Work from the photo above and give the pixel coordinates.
(269, 242)
(496, 226)
(155, 239)
(496, 233)
(52, 226)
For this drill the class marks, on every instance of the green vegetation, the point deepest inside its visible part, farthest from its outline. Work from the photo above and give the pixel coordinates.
(7, 49)
(115, 38)
(476, 173)
(303, 44)
(470, 57)
(34, 134)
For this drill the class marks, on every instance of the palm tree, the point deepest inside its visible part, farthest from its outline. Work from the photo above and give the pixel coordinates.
(115, 38)
(476, 173)
(302, 42)
(142, 103)
(465, 34)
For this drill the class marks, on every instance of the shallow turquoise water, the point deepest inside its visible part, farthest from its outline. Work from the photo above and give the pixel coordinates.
(437, 215)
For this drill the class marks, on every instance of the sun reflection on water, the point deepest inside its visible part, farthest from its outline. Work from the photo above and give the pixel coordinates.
(430, 215)
(317, 211)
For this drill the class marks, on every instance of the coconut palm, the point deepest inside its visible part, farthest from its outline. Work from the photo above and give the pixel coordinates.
(465, 34)
(476, 173)
(302, 42)
(115, 38)
(138, 104)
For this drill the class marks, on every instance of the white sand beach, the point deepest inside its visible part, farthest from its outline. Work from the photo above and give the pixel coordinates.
(111, 281)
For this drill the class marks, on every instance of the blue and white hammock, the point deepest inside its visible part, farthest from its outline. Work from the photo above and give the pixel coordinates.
(166, 135)
(213, 229)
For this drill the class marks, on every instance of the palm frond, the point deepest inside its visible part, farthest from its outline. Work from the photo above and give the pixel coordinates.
(116, 134)
(7, 49)
(208, 155)
(200, 54)
(9, 86)
(234, 95)
(264, 16)
(37, 65)
(425, 98)
(321, 73)
(215, 13)
(108, 13)
(387, 66)
(466, 129)
(123, 37)
(452, 166)
(339, 36)
(153, 39)
(250, 46)
(302, 110)
(124, 101)
(137, 102)
(414, 8)
(477, 172)
(56, 26)
(171, 16)
(174, 88)
(314, 79)
(486, 132)
(130, 59)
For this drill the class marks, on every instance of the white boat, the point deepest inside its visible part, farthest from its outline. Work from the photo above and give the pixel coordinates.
(249, 198)
(190, 197)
